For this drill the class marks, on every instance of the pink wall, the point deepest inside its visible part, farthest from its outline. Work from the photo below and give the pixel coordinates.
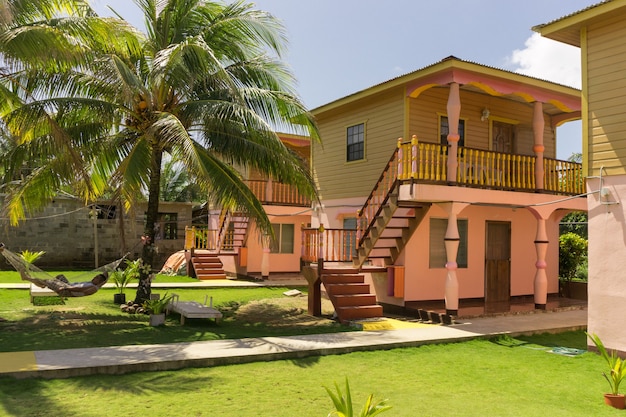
(279, 262)
(607, 260)
(425, 283)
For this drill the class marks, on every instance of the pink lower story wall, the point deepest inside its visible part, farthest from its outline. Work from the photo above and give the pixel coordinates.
(278, 262)
(607, 260)
(425, 283)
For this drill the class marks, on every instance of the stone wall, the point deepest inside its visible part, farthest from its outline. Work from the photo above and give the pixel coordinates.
(65, 231)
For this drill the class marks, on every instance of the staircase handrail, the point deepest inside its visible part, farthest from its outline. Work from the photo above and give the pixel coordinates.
(373, 206)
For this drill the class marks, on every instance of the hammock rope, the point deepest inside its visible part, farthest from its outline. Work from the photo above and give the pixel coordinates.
(60, 284)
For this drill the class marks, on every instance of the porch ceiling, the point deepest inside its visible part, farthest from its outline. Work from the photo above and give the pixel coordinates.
(513, 87)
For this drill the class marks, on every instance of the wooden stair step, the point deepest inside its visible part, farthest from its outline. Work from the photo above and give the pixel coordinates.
(343, 279)
(361, 312)
(343, 289)
(354, 300)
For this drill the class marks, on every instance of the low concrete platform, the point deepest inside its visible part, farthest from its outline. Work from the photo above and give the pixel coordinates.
(123, 359)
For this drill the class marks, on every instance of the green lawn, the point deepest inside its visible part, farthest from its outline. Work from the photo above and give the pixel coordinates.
(13, 277)
(96, 321)
(500, 377)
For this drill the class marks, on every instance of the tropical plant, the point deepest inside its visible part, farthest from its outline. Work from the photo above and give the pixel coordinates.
(617, 366)
(31, 257)
(97, 104)
(344, 408)
(157, 305)
(572, 253)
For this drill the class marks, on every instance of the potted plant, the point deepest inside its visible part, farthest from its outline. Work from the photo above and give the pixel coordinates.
(615, 375)
(156, 309)
(121, 280)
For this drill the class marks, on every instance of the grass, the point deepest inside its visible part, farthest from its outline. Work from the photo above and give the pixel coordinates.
(13, 277)
(97, 321)
(499, 377)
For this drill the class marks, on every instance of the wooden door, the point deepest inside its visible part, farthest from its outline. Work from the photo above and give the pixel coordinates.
(498, 262)
(502, 137)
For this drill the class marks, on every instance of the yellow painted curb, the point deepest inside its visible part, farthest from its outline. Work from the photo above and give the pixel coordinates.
(390, 324)
(17, 361)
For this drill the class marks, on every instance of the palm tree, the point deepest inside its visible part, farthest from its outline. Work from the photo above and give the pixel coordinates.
(204, 86)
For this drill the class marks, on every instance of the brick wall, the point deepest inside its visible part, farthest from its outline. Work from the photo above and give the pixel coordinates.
(65, 231)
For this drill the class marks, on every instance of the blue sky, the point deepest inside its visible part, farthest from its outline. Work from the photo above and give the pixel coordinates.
(338, 47)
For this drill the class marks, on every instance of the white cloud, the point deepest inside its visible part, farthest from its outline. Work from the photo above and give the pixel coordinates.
(549, 60)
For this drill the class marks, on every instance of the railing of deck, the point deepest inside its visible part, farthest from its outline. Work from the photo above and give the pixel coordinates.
(273, 192)
(494, 169)
(200, 237)
(332, 245)
(427, 162)
(563, 176)
(422, 161)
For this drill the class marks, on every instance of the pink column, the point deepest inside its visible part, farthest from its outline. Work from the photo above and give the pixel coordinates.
(538, 127)
(451, 242)
(541, 247)
(541, 279)
(454, 113)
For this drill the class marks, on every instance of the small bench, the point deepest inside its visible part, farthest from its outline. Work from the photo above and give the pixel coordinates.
(36, 291)
(193, 309)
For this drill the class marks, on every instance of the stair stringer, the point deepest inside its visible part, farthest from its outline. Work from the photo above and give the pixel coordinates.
(386, 216)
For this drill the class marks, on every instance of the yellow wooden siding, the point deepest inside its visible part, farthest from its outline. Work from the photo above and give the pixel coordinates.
(424, 112)
(383, 116)
(606, 64)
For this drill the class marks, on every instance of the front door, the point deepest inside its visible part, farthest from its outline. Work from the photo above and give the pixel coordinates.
(502, 137)
(498, 262)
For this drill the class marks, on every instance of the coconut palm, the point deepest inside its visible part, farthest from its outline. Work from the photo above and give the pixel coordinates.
(204, 85)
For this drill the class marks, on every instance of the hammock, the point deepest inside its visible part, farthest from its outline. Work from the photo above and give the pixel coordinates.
(60, 284)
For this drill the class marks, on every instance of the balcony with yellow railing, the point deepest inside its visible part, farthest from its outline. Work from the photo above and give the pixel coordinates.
(275, 193)
(428, 162)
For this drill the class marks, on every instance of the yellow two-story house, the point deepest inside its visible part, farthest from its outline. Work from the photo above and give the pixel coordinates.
(442, 186)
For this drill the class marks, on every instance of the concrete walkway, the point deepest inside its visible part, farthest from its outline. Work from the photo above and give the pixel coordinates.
(122, 359)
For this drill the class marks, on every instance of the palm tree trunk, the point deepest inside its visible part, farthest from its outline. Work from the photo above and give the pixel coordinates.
(148, 238)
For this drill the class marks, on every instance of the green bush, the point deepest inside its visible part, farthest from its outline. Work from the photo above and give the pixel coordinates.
(572, 255)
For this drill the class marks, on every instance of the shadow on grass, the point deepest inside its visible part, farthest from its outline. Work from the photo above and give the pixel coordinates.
(101, 324)
(31, 397)
(547, 341)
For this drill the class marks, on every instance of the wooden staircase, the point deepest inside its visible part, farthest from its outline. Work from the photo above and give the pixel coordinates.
(350, 295)
(234, 232)
(391, 230)
(207, 266)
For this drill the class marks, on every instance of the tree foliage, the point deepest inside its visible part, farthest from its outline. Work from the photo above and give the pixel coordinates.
(98, 105)
(572, 253)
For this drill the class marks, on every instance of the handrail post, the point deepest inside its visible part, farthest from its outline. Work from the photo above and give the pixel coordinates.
(414, 156)
(400, 161)
(315, 287)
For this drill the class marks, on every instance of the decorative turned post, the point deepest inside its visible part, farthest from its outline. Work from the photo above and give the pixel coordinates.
(451, 242)
(400, 175)
(414, 156)
(454, 114)
(538, 127)
(541, 279)
(269, 191)
(315, 285)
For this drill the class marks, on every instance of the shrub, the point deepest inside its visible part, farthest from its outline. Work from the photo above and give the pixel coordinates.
(572, 253)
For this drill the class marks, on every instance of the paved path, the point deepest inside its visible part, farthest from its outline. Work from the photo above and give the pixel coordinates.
(122, 359)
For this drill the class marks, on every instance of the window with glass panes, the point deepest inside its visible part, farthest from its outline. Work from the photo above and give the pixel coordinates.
(283, 241)
(355, 140)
